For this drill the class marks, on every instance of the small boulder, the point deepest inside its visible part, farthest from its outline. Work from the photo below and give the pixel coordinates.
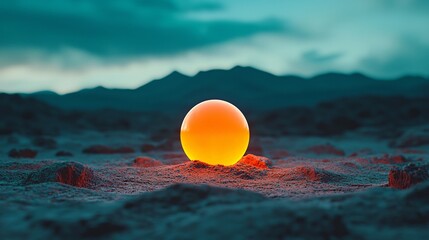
(22, 153)
(408, 176)
(146, 162)
(71, 173)
(256, 161)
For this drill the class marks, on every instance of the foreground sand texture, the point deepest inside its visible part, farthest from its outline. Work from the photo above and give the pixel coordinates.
(354, 168)
(318, 188)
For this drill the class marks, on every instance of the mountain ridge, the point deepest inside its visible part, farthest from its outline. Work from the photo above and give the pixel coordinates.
(249, 88)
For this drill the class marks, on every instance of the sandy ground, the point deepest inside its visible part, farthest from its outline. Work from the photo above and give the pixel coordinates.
(303, 187)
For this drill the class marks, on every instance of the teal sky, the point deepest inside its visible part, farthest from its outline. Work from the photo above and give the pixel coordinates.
(66, 45)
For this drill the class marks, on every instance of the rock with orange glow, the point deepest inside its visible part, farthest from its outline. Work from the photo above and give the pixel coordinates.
(70, 173)
(408, 176)
(146, 162)
(215, 132)
(256, 161)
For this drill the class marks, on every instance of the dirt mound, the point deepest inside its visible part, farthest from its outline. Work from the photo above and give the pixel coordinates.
(70, 173)
(241, 171)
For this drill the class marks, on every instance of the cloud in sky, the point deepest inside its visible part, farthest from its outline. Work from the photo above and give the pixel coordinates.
(116, 29)
(313, 56)
(65, 45)
(409, 55)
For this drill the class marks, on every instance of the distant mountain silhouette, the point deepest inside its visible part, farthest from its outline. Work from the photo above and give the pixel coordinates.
(46, 92)
(248, 88)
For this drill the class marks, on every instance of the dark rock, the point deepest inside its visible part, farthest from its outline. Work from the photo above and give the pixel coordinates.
(146, 162)
(408, 176)
(70, 173)
(45, 142)
(22, 153)
(63, 154)
(101, 149)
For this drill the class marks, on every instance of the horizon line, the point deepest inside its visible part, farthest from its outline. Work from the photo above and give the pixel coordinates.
(227, 69)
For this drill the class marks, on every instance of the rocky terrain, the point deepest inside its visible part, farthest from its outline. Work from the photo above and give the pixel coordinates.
(355, 167)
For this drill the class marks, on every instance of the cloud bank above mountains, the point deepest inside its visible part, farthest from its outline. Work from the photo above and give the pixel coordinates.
(67, 45)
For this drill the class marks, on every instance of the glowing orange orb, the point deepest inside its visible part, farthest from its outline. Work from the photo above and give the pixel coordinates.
(215, 132)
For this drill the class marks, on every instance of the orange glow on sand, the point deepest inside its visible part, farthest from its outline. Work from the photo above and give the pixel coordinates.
(215, 132)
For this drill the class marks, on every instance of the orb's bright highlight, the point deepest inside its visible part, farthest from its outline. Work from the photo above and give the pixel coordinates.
(215, 132)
